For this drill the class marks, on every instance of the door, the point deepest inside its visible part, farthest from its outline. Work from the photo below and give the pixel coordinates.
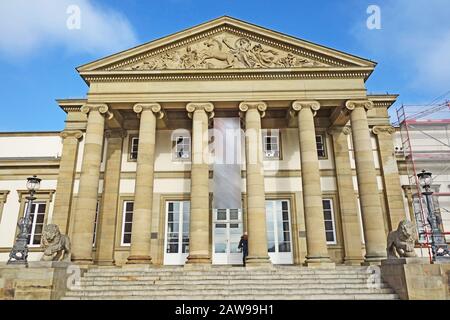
(227, 226)
(176, 241)
(279, 239)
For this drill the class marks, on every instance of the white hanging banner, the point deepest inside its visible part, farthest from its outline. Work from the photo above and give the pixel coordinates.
(227, 164)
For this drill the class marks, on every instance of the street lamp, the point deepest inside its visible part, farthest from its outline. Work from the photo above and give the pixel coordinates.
(439, 246)
(19, 252)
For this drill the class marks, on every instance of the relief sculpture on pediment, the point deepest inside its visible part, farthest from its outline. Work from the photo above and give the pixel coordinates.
(225, 52)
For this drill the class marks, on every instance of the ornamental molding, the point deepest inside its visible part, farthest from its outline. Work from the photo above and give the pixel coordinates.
(153, 107)
(352, 104)
(3, 196)
(103, 109)
(76, 134)
(298, 105)
(226, 47)
(208, 107)
(260, 106)
(383, 130)
(115, 133)
(339, 130)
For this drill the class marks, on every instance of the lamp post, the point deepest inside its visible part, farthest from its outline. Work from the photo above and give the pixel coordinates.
(439, 246)
(19, 252)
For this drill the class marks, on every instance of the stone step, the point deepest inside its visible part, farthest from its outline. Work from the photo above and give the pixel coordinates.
(389, 296)
(227, 292)
(221, 277)
(221, 272)
(197, 287)
(86, 282)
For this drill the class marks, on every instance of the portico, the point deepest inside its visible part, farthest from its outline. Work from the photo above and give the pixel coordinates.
(138, 171)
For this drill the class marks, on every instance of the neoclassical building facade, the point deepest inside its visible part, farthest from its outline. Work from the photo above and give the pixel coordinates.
(186, 142)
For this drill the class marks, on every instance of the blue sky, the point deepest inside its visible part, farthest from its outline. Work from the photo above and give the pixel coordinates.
(38, 53)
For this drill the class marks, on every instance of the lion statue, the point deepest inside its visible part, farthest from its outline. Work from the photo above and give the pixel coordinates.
(56, 245)
(400, 242)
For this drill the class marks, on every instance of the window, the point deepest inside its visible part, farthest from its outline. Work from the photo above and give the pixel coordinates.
(127, 222)
(271, 144)
(181, 146)
(134, 142)
(3, 196)
(320, 145)
(94, 239)
(328, 217)
(37, 215)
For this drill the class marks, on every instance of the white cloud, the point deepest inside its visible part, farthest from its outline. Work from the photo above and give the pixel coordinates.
(30, 25)
(416, 36)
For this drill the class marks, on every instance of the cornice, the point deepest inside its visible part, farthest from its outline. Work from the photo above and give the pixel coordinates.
(235, 74)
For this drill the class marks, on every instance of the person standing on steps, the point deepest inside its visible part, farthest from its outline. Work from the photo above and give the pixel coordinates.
(243, 245)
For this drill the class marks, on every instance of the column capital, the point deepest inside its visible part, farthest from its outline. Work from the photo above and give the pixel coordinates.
(383, 130)
(299, 104)
(352, 104)
(77, 134)
(260, 106)
(102, 108)
(338, 130)
(208, 107)
(152, 106)
(115, 133)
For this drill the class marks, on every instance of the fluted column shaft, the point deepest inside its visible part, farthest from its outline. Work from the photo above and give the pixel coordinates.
(66, 177)
(143, 194)
(316, 244)
(347, 199)
(256, 206)
(372, 216)
(83, 230)
(106, 229)
(199, 234)
(391, 178)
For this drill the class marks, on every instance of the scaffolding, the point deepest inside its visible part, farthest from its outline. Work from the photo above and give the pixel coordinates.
(425, 144)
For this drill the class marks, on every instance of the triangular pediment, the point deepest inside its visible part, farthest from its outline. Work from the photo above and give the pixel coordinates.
(226, 43)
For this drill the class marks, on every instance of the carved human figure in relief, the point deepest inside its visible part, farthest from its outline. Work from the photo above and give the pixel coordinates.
(400, 242)
(56, 245)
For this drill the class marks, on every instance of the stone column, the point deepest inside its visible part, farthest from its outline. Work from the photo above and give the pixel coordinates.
(317, 251)
(372, 215)
(199, 237)
(66, 177)
(106, 229)
(83, 229)
(347, 199)
(391, 178)
(143, 194)
(256, 200)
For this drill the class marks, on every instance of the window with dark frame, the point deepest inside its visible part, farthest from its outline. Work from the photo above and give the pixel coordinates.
(94, 238)
(271, 144)
(320, 145)
(181, 146)
(328, 217)
(127, 222)
(134, 142)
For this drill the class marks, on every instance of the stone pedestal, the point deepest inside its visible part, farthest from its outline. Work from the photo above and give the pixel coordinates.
(416, 278)
(40, 281)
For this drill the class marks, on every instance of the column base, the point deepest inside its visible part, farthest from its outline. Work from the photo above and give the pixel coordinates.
(252, 262)
(373, 260)
(319, 262)
(139, 260)
(200, 259)
(349, 261)
(106, 263)
(83, 261)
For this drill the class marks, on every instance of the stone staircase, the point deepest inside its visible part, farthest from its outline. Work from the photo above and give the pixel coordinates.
(235, 283)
